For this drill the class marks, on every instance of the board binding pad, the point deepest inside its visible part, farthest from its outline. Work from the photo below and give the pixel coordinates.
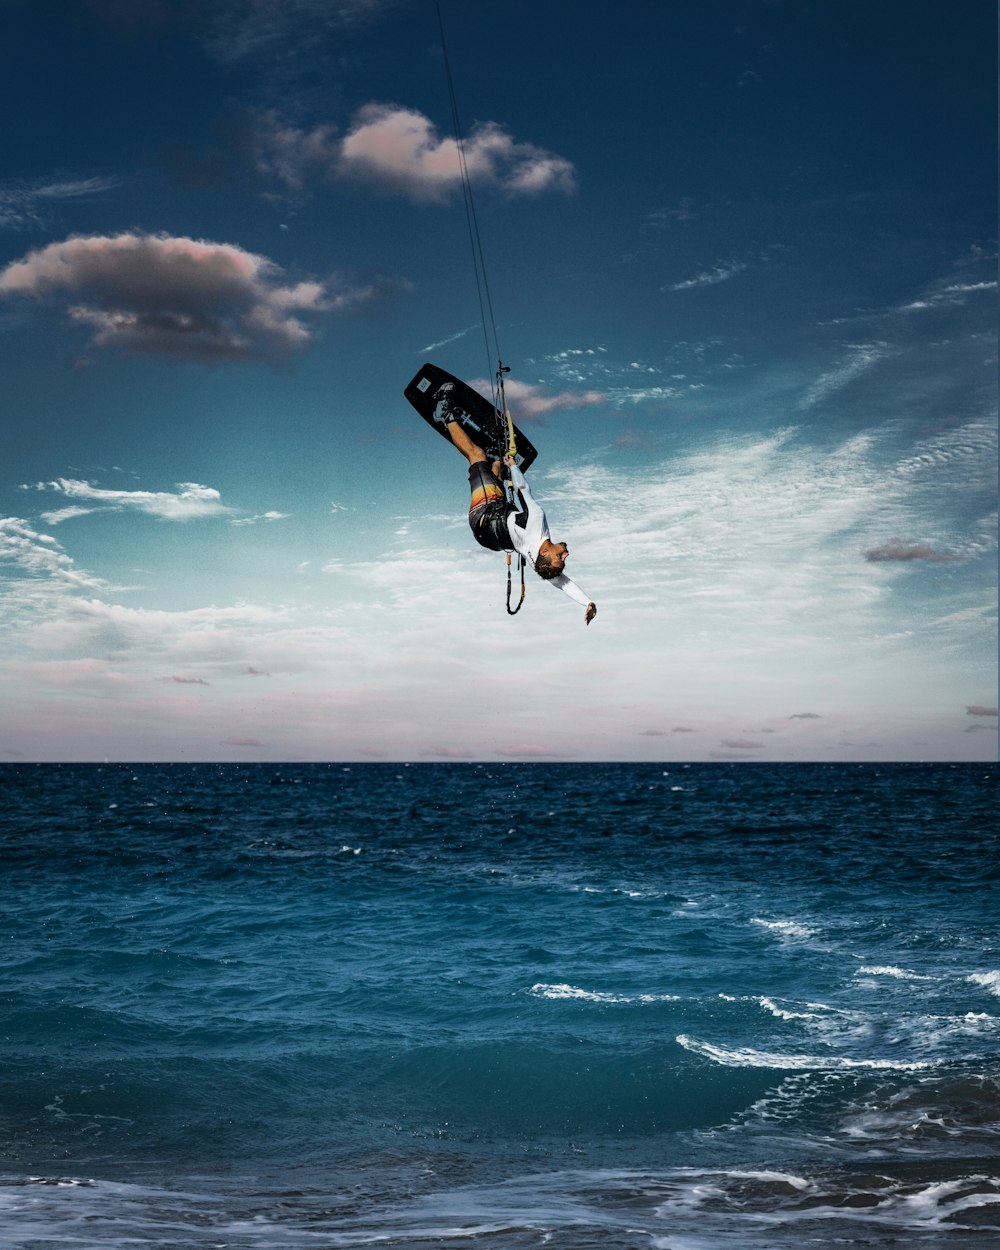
(484, 424)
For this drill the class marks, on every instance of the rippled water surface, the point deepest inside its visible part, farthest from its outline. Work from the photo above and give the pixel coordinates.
(499, 1006)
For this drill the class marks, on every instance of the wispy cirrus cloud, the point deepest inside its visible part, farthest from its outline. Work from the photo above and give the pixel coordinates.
(35, 554)
(179, 297)
(190, 501)
(723, 271)
(27, 204)
(261, 516)
(664, 218)
(261, 32)
(861, 357)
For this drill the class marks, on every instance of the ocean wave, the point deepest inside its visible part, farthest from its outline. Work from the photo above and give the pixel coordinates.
(562, 991)
(749, 1057)
(794, 930)
(925, 1035)
(937, 1115)
(876, 1197)
(680, 1208)
(889, 970)
(787, 1013)
(988, 980)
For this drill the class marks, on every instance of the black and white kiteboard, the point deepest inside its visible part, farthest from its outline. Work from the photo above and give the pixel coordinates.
(483, 423)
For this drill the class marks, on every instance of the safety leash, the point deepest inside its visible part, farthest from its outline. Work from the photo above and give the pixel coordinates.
(514, 611)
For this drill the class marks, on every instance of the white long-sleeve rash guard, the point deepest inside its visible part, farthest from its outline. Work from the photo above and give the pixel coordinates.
(529, 529)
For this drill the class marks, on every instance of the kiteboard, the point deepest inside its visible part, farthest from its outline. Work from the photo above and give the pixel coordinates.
(484, 424)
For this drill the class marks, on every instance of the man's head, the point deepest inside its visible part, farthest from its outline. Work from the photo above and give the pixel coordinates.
(551, 562)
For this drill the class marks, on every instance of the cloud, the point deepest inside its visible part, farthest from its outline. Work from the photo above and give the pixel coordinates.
(452, 338)
(26, 204)
(528, 750)
(289, 154)
(271, 34)
(242, 742)
(191, 502)
(947, 293)
(261, 516)
(186, 681)
(176, 297)
(663, 218)
(862, 357)
(741, 744)
(976, 710)
(721, 272)
(529, 402)
(39, 555)
(744, 552)
(400, 151)
(899, 551)
(66, 514)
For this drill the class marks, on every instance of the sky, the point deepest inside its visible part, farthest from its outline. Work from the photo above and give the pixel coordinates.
(741, 257)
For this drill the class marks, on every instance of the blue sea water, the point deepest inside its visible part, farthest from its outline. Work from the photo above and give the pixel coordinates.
(617, 1006)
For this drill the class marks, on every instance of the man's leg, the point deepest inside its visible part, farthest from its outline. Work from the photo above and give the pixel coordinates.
(470, 450)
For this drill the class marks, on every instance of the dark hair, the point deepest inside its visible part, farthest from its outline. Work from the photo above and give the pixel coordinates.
(546, 570)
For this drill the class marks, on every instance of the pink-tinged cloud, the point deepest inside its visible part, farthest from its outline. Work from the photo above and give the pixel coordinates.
(167, 296)
(289, 154)
(73, 673)
(528, 750)
(529, 402)
(242, 742)
(401, 151)
(908, 551)
(186, 681)
(976, 710)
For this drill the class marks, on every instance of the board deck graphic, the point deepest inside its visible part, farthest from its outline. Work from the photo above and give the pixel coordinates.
(484, 424)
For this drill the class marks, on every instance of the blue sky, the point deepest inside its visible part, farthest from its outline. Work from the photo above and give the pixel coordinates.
(742, 256)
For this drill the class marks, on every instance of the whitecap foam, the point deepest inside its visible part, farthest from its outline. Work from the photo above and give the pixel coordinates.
(563, 991)
(787, 1013)
(748, 1057)
(890, 970)
(988, 980)
(792, 929)
(872, 1198)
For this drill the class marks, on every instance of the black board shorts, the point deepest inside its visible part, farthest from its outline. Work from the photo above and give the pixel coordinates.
(489, 508)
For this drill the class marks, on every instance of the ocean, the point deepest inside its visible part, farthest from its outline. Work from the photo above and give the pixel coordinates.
(684, 1007)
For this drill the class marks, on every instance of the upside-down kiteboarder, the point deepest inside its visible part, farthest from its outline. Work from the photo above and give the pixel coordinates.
(501, 518)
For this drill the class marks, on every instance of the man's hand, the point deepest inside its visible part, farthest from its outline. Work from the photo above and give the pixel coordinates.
(509, 460)
(591, 613)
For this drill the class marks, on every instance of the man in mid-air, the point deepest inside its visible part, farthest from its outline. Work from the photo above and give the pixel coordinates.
(500, 525)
